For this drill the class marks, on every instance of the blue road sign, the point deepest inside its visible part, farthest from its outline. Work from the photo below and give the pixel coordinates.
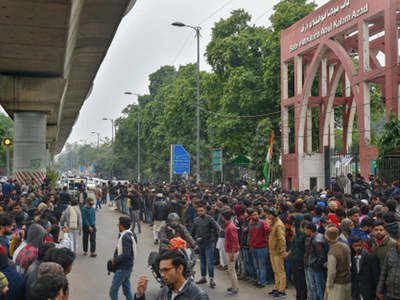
(181, 160)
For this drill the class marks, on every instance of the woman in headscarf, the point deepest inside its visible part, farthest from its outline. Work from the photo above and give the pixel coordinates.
(35, 237)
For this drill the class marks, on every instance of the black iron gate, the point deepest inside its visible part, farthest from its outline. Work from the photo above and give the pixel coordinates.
(388, 168)
(341, 164)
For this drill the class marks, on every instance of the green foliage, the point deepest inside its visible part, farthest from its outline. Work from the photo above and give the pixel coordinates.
(288, 12)
(390, 140)
(245, 81)
(53, 175)
(76, 155)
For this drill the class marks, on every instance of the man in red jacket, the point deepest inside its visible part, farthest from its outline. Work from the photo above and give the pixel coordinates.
(258, 237)
(232, 250)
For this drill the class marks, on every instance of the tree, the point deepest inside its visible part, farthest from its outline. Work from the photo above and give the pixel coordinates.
(390, 139)
(240, 98)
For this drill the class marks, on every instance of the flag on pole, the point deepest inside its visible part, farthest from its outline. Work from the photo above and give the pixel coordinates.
(267, 166)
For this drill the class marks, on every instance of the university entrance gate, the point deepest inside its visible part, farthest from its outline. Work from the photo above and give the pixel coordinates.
(338, 64)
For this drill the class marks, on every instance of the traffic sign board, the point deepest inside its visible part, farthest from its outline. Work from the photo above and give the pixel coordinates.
(180, 160)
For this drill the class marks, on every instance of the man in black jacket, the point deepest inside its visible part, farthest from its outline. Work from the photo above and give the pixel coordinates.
(364, 271)
(134, 210)
(205, 231)
(174, 271)
(160, 211)
(65, 199)
(315, 259)
(123, 260)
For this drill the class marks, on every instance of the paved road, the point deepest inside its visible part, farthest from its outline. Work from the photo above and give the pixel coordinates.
(89, 280)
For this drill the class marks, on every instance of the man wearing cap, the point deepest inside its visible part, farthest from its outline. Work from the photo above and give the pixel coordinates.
(333, 206)
(338, 283)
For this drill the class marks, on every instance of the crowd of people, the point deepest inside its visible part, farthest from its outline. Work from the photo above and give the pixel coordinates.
(39, 229)
(328, 244)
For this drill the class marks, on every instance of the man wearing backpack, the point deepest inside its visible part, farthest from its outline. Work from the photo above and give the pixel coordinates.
(72, 218)
(160, 211)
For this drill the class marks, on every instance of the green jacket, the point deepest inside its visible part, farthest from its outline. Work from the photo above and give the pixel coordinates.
(298, 245)
(382, 250)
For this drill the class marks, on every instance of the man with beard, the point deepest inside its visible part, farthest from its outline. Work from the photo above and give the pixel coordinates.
(364, 271)
(388, 286)
(382, 242)
(174, 272)
(205, 230)
(6, 227)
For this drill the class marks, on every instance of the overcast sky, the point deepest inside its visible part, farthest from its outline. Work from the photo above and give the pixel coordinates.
(144, 42)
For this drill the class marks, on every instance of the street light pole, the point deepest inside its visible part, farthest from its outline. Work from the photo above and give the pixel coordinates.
(98, 138)
(112, 145)
(8, 161)
(138, 136)
(197, 29)
(138, 133)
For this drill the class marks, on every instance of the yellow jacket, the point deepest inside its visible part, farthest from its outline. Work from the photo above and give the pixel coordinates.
(277, 238)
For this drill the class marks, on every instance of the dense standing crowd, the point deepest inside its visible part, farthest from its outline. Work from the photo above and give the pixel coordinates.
(329, 244)
(39, 229)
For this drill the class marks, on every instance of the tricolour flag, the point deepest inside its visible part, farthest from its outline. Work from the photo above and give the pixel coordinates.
(267, 166)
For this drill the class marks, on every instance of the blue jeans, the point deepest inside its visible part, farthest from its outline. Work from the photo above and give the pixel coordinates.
(135, 219)
(123, 204)
(287, 264)
(147, 214)
(260, 262)
(207, 260)
(248, 263)
(98, 203)
(112, 197)
(121, 277)
(315, 284)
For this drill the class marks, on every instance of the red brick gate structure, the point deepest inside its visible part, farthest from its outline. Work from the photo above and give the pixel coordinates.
(345, 45)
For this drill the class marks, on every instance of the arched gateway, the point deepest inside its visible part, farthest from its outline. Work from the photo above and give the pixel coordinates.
(330, 60)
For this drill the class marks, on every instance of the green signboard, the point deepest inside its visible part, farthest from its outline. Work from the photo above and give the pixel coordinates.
(35, 163)
(373, 166)
(217, 160)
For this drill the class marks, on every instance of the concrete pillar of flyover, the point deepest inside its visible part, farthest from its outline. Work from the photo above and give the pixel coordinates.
(30, 154)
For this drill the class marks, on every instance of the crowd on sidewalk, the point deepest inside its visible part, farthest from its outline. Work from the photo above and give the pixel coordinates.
(39, 232)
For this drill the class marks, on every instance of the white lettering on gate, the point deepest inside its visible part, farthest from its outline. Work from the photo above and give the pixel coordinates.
(331, 12)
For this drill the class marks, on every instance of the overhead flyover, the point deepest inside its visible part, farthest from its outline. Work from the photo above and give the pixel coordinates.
(50, 52)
